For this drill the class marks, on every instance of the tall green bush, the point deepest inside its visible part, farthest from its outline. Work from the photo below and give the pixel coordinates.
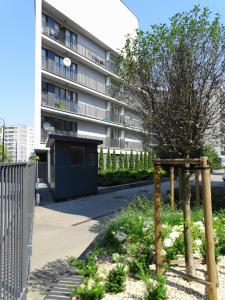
(114, 160)
(121, 161)
(101, 165)
(131, 161)
(214, 159)
(108, 161)
(150, 160)
(145, 161)
(137, 162)
(141, 161)
(126, 161)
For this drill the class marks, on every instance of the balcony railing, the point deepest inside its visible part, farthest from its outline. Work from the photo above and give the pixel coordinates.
(65, 72)
(81, 49)
(50, 100)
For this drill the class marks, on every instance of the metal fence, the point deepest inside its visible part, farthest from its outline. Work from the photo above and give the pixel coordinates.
(17, 200)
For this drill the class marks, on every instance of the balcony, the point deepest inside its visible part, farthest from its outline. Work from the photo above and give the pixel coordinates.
(80, 49)
(50, 100)
(65, 72)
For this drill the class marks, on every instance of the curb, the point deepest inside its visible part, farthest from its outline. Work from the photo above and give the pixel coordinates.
(115, 188)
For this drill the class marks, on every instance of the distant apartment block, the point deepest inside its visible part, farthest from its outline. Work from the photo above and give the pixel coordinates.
(19, 140)
(80, 99)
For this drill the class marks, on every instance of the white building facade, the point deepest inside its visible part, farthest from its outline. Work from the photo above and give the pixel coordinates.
(19, 140)
(79, 100)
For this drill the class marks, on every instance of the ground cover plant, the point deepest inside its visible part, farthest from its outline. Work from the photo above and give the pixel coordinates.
(126, 250)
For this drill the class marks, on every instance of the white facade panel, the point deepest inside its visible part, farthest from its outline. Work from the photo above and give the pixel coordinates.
(91, 129)
(109, 21)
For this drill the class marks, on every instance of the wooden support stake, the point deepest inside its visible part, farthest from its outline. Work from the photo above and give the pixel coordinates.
(197, 193)
(157, 209)
(180, 184)
(209, 236)
(172, 188)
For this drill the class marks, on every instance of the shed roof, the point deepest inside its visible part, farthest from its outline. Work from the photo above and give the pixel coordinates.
(55, 137)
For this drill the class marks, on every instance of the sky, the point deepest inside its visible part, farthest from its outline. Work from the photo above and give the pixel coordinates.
(17, 47)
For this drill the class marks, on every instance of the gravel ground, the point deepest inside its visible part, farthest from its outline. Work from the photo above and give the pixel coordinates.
(177, 286)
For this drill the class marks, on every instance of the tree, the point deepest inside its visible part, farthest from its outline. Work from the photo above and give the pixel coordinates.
(114, 160)
(145, 161)
(7, 157)
(101, 160)
(215, 160)
(137, 162)
(108, 161)
(131, 162)
(141, 161)
(121, 161)
(126, 161)
(174, 76)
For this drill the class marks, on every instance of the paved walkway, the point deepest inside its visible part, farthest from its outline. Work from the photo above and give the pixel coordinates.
(66, 229)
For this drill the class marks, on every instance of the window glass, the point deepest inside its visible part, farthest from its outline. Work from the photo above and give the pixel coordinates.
(44, 25)
(77, 157)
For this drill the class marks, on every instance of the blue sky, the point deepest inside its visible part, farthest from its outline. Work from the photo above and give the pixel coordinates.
(17, 47)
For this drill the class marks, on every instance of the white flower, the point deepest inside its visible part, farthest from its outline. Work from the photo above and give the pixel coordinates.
(164, 226)
(174, 235)
(198, 242)
(200, 225)
(147, 224)
(168, 243)
(120, 236)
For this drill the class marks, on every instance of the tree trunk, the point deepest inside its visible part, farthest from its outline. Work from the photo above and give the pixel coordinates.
(189, 261)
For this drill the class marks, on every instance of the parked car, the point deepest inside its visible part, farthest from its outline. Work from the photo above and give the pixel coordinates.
(224, 177)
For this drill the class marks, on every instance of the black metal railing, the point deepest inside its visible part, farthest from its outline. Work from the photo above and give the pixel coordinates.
(17, 201)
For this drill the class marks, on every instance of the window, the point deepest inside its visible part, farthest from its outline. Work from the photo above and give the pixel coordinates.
(77, 155)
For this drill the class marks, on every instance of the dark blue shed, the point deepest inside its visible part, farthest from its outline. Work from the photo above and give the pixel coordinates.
(73, 166)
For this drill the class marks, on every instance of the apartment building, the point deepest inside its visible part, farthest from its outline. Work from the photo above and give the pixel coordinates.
(76, 43)
(19, 140)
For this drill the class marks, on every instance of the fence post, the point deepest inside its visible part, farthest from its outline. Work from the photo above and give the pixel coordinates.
(157, 209)
(197, 194)
(180, 184)
(172, 188)
(209, 236)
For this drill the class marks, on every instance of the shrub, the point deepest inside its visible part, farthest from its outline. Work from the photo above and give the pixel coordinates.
(116, 280)
(95, 292)
(121, 161)
(215, 161)
(114, 160)
(141, 161)
(158, 291)
(131, 162)
(108, 161)
(101, 160)
(126, 161)
(150, 160)
(137, 166)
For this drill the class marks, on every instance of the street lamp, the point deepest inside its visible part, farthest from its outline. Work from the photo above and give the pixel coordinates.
(3, 140)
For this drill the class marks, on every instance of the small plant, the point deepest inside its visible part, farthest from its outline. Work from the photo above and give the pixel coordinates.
(121, 161)
(101, 160)
(86, 268)
(108, 161)
(131, 161)
(116, 280)
(158, 291)
(114, 160)
(95, 292)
